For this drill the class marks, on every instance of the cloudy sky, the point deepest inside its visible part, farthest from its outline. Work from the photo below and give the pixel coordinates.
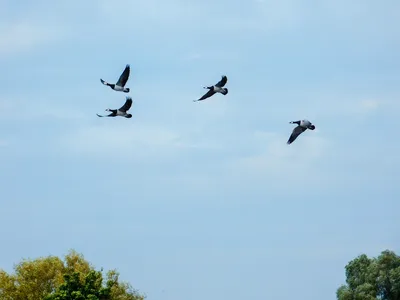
(191, 200)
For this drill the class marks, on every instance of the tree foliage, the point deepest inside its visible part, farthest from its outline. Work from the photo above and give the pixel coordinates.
(76, 288)
(54, 279)
(372, 278)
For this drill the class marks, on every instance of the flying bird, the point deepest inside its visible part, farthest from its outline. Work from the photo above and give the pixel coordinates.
(120, 85)
(122, 112)
(218, 88)
(302, 125)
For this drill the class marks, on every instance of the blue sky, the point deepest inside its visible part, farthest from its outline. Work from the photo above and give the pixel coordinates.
(185, 198)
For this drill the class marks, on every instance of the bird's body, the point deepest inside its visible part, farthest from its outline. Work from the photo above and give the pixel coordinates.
(221, 90)
(122, 111)
(120, 85)
(305, 123)
(302, 125)
(217, 88)
(119, 88)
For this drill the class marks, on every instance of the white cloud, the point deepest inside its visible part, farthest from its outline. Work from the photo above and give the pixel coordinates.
(370, 104)
(23, 36)
(275, 153)
(328, 103)
(235, 17)
(4, 143)
(193, 56)
(31, 110)
(280, 165)
(115, 137)
(357, 107)
(6, 104)
(149, 9)
(280, 14)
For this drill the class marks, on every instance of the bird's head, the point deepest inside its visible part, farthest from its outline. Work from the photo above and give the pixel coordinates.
(108, 109)
(312, 127)
(127, 90)
(128, 116)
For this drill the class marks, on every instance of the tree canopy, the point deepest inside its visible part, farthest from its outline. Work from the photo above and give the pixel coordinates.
(372, 278)
(50, 278)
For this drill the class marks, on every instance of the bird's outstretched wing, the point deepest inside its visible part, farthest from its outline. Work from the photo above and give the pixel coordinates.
(101, 116)
(127, 105)
(113, 113)
(206, 95)
(295, 133)
(222, 82)
(124, 76)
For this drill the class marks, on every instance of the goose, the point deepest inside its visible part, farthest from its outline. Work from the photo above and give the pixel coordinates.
(218, 88)
(302, 125)
(120, 85)
(122, 112)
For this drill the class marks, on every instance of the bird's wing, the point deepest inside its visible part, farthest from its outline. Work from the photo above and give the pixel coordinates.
(295, 133)
(222, 82)
(110, 115)
(206, 95)
(124, 76)
(127, 105)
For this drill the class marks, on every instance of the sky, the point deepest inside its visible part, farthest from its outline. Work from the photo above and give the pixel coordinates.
(202, 199)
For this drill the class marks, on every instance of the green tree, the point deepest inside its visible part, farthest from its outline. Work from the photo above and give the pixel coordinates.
(372, 278)
(78, 286)
(87, 288)
(49, 276)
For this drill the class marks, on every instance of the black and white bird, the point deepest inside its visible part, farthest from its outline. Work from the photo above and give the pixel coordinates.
(218, 88)
(302, 125)
(120, 85)
(122, 112)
